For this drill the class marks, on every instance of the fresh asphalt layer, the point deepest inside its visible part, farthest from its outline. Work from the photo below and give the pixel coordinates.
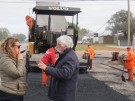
(89, 89)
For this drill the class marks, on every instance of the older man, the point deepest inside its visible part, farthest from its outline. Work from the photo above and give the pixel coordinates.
(64, 74)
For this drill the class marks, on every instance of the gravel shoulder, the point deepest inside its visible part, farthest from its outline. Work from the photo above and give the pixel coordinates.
(112, 76)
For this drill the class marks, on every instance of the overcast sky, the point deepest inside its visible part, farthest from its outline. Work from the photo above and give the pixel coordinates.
(94, 13)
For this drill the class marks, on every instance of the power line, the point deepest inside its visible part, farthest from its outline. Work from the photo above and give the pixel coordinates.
(101, 26)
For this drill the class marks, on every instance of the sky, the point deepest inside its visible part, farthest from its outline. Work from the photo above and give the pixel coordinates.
(94, 14)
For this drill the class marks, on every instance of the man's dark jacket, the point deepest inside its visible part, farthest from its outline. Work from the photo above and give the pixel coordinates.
(64, 77)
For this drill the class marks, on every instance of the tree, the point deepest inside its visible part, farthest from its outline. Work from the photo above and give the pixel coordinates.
(4, 33)
(119, 23)
(20, 37)
(82, 32)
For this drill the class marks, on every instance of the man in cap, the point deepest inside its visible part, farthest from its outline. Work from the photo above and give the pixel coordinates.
(31, 23)
(91, 53)
(130, 63)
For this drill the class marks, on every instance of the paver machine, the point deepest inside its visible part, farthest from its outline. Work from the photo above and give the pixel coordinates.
(50, 23)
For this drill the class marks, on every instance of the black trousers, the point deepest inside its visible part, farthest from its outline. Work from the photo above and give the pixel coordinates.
(89, 63)
(10, 97)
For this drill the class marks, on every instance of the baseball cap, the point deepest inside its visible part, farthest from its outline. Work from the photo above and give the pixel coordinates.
(27, 17)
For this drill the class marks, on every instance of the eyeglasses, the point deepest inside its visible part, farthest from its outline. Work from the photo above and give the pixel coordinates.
(18, 46)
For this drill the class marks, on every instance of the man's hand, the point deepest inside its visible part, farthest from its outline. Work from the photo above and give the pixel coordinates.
(41, 65)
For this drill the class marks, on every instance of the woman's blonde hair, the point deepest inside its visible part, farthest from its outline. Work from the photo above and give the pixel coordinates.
(7, 47)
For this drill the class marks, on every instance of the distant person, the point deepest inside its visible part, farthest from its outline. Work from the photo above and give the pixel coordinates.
(130, 63)
(31, 23)
(91, 53)
(12, 71)
(49, 58)
(63, 84)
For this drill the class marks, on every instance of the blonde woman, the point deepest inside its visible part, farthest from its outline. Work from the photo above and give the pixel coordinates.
(12, 70)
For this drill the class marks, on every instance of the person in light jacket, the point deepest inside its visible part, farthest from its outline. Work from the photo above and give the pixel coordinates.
(12, 71)
(63, 84)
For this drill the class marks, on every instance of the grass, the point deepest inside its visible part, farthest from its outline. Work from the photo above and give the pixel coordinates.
(82, 47)
(104, 45)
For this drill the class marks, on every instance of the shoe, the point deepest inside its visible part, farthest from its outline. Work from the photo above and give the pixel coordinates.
(123, 78)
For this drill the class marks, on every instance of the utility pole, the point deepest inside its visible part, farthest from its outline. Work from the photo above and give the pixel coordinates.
(129, 42)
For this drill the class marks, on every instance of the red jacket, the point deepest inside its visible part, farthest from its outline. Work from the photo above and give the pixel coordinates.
(49, 57)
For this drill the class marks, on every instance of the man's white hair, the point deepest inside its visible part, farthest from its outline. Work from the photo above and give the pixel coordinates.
(65, 41)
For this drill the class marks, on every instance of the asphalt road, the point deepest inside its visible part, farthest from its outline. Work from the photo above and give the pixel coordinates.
(89, 89)
(97, 85)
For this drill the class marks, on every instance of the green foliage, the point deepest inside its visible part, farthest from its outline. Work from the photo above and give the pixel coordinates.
(81, 47)
(70, 24)
(81, 31)
(20, 37)
(4, 32)
(133, 26)
(119, 23)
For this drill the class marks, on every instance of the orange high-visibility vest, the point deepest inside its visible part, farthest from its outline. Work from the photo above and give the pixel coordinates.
(130, 60)
(91, 51)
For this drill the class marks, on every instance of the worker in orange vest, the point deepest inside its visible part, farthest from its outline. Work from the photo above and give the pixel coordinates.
(130, 63)
(31, 23)
(49, 58)
(91, 53)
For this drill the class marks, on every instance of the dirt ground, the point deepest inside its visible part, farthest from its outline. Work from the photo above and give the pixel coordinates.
(109, 48)
(106, 51)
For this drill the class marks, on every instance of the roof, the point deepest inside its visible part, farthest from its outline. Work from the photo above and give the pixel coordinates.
(56, 10)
